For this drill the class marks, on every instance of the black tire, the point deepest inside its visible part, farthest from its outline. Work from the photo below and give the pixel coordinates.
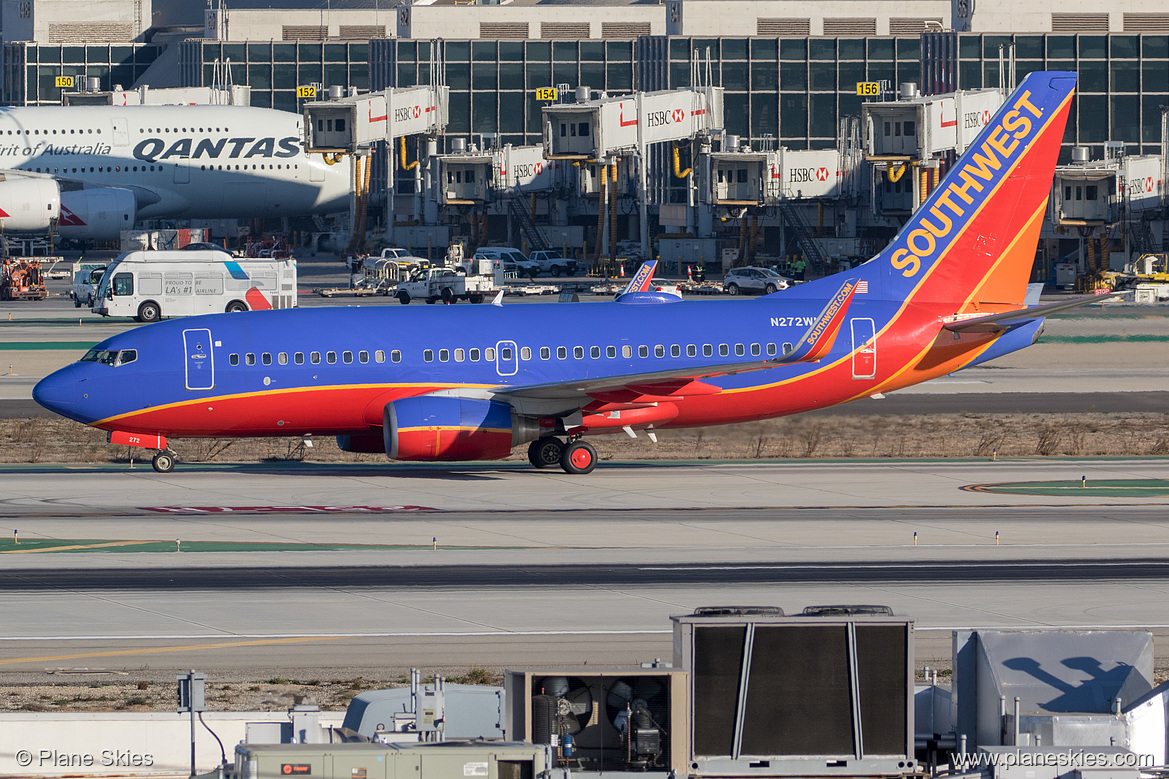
(475, 298)
(89, 302)
(769, 289)
(545, 452)
(430, 301)
(236, 307)
(404, 297)
(579, 457)
(76, 303)
(163, 462)
(448, 295)
(732, 289)
(555, 270)
(149, 312)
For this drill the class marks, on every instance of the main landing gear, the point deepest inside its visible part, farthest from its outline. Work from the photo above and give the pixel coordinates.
(164, 461)
(576, 456)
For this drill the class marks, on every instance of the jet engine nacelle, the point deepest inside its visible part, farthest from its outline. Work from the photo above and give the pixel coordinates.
(101, 213)
(436, 427)
(28, 205)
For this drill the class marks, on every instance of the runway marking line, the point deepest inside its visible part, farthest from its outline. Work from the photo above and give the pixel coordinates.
(158, 650)
(73, 547)
(1113, 488)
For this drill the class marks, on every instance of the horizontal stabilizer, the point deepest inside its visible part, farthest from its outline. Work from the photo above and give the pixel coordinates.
(992, 322)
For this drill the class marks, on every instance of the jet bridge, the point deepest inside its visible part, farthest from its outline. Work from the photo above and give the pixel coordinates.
(356, 124)
(350, 125)
(605, 129)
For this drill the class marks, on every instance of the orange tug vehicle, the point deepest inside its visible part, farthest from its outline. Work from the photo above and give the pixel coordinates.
(21, 279)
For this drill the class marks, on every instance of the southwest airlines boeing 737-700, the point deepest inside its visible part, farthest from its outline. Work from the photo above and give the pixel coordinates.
(471, 383)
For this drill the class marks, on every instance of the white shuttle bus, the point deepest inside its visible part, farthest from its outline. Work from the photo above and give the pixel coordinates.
(151, 285)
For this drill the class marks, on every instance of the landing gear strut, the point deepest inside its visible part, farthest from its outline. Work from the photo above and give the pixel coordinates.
(164, 461)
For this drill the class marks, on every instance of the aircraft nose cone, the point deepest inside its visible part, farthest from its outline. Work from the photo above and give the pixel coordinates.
(59, 392)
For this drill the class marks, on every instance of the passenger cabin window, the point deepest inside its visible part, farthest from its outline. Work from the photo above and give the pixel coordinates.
(444, 355)
(595, 352)
(771, 350)
(380, 356)
(787, 348)
(282, 358)
(578, 352)
(346, 357)
(428, 355)
(266, 358)
(659, 351)
(545, 352)
(489, 354)
(740, 350)
(331, 357)
(610, 352)
(315, 358)
(525, 352)
(473, 354)
(675, 351)
(298, 358)
(505, 353)
(233, 359)
(691, 350)
(627, 351)
(561, 352)
(643, 351)
(250, 358)
(363, 357)
(723, 350)
(395, 356)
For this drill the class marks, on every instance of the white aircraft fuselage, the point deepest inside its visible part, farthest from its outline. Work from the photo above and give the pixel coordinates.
(189, 161)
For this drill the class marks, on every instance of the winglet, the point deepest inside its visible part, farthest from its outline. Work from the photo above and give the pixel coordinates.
(818, 341)
(498, 299)
(642, 279)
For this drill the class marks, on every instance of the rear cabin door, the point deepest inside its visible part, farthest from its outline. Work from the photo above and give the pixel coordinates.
(200, 367)
(864, 349)
(506, 359)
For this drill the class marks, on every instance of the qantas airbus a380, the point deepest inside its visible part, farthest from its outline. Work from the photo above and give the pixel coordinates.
(472, 382)
(94, 170)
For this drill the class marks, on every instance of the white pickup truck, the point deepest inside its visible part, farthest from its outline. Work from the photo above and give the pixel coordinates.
(445, 284)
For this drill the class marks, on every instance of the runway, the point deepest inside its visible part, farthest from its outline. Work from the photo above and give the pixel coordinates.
(535, 569)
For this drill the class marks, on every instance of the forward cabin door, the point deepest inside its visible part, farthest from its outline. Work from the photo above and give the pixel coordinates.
(200, 367)
(864, 349)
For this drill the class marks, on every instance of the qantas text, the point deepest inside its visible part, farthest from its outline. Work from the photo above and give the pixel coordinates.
(154, 149)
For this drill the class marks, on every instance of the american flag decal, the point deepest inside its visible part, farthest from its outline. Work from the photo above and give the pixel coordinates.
(862, 287)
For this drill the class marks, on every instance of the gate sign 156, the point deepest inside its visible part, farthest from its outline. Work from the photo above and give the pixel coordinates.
(868, 88)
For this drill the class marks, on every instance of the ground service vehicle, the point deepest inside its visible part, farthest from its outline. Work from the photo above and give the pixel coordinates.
(445, 284)
(752, 279)
(86, 279)
(21, 279)
(474, 382)
(552, 261)
(523, 265)
(151, 285)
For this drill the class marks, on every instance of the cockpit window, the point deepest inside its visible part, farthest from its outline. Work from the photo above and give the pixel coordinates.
(111, 357)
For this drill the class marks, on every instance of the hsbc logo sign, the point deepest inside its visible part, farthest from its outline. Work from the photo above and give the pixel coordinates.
(665, 118)
(1136, 187)
(407, 113)
(802, 175)
(528, 170)
(975, 119)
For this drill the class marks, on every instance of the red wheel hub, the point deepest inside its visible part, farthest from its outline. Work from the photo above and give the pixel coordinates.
(581, 458)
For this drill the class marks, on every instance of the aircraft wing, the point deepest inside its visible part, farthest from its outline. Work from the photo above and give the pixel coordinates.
(681, 382)
(994, 322)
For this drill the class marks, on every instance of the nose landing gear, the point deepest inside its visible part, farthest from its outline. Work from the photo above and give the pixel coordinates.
(164, 461)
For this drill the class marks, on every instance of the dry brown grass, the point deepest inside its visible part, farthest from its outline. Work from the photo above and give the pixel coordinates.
(44, 440)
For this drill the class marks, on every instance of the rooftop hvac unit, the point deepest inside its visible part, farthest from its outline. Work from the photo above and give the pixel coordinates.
(617, 721)
(826, 693)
